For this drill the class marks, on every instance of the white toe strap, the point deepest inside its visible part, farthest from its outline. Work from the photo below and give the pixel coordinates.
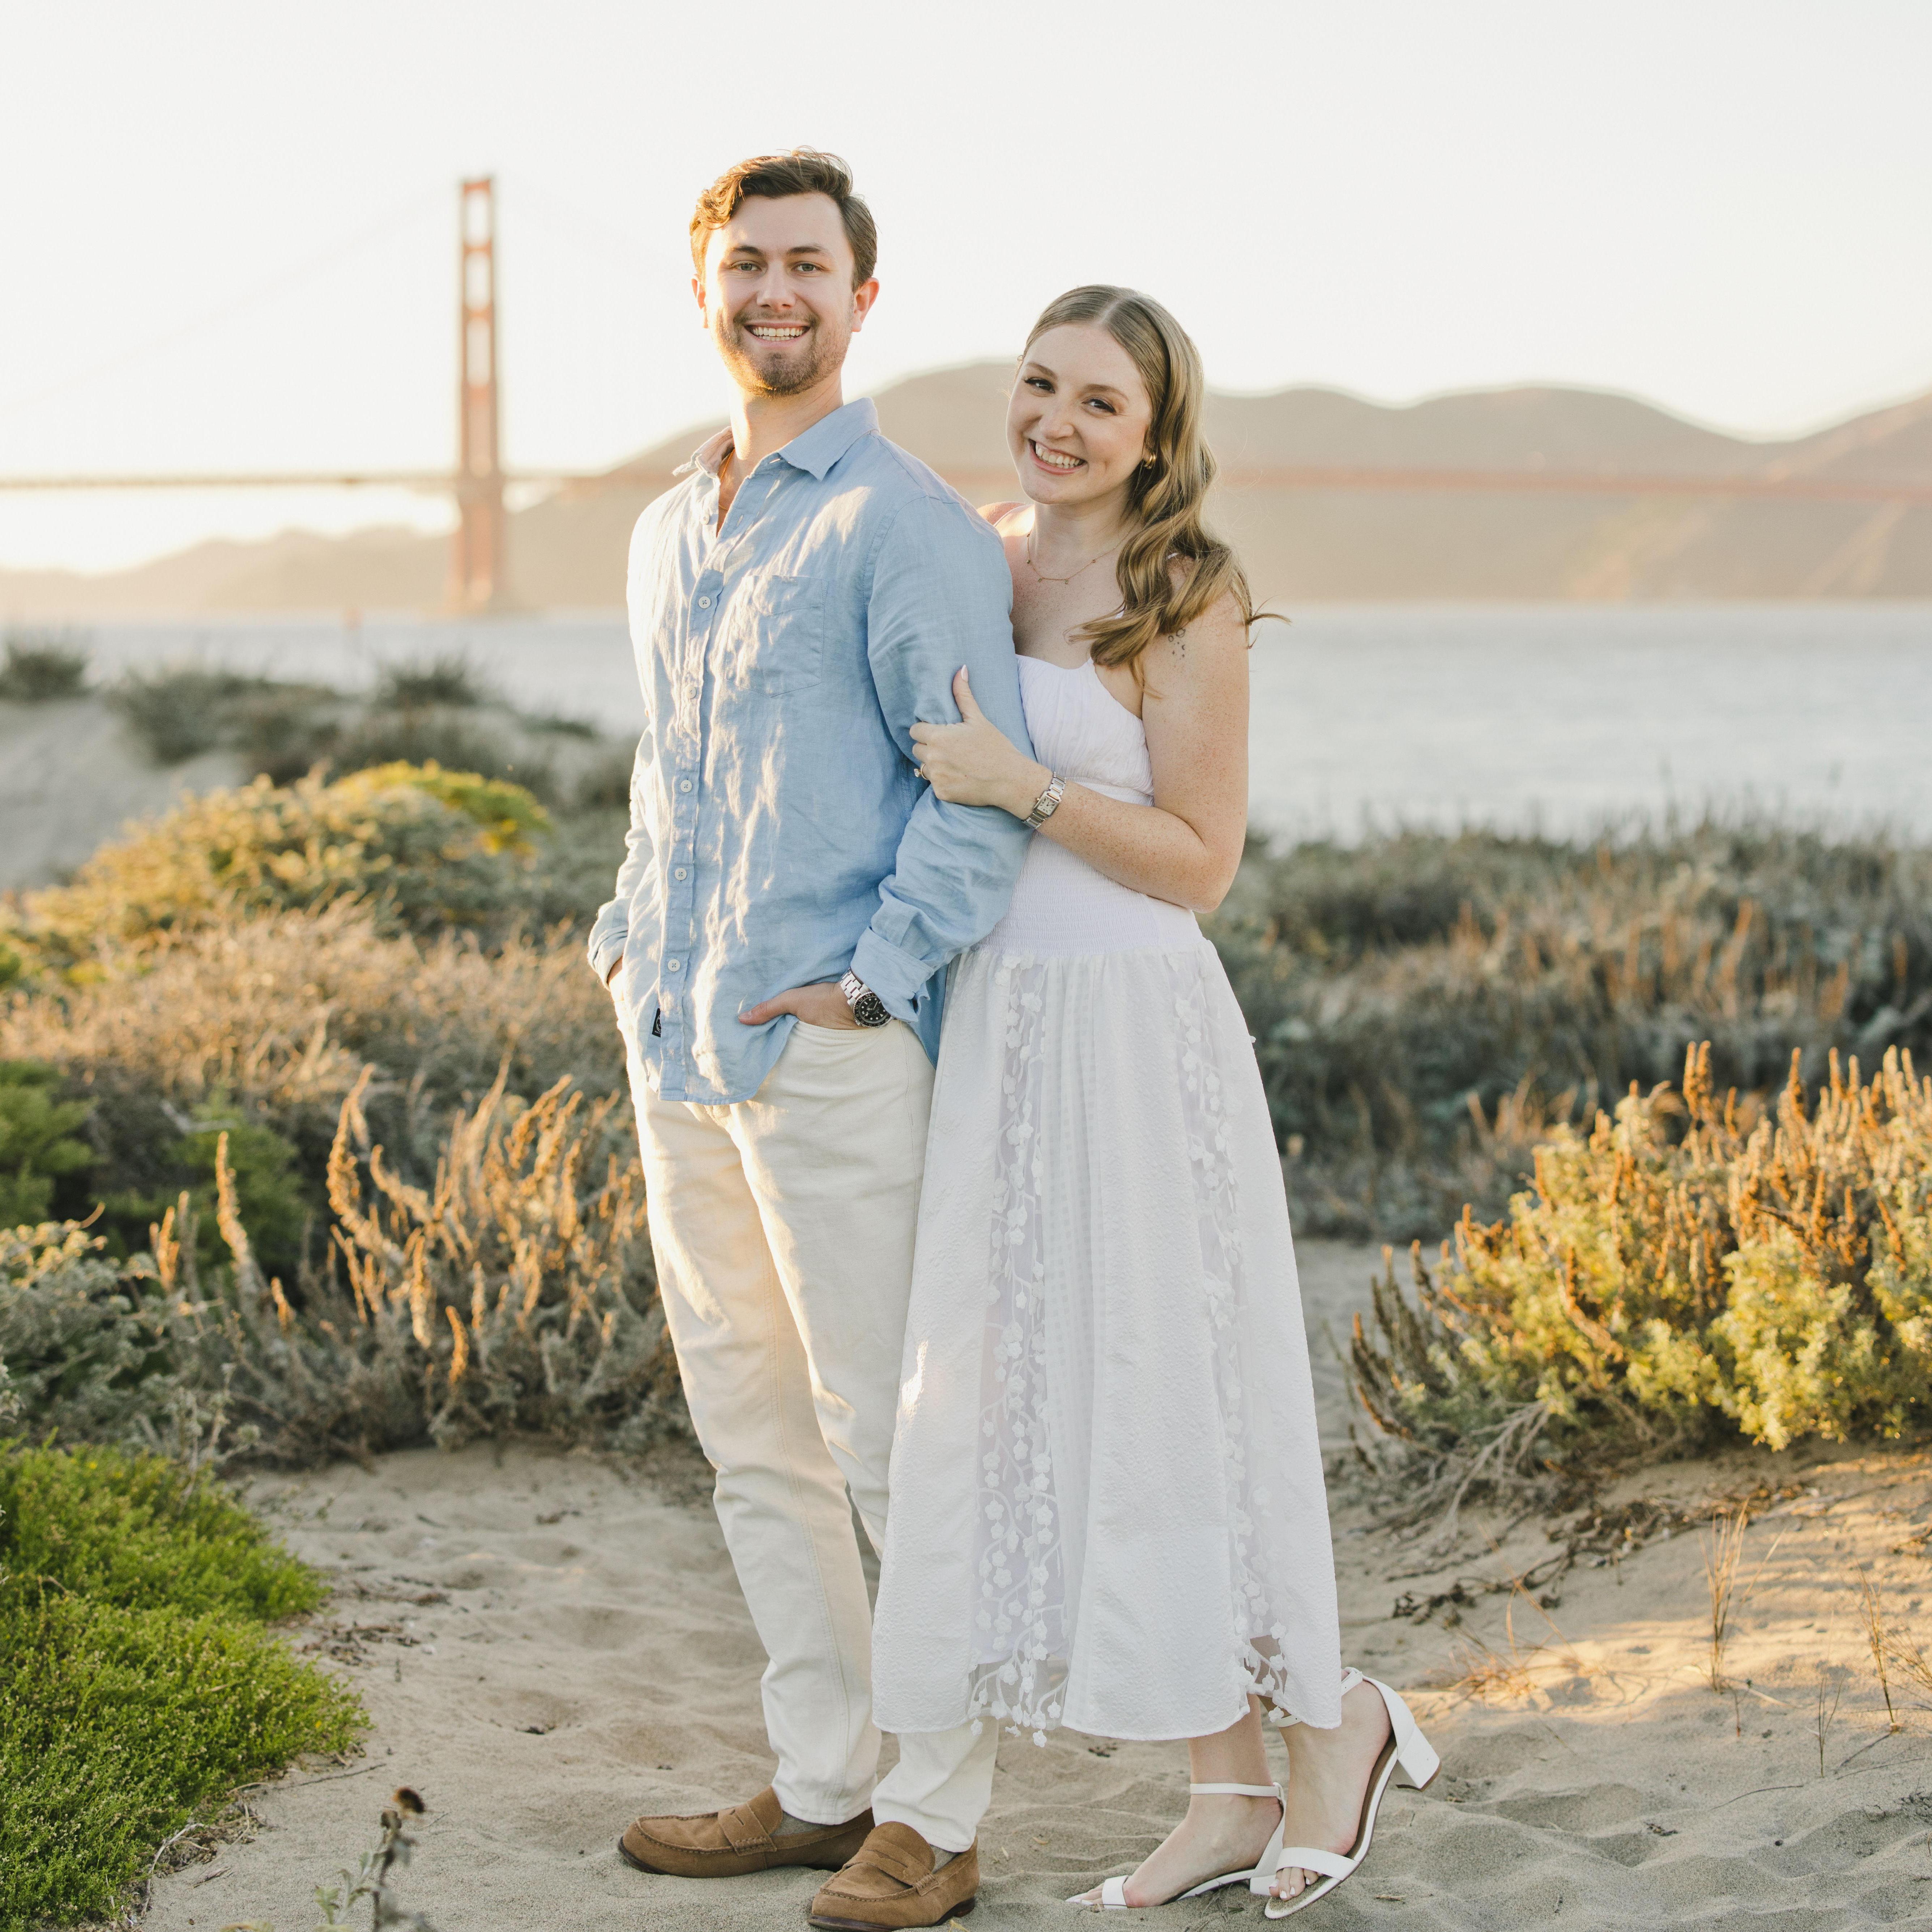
(1330, 1865)
(1113, 1893)
(1237, 1791)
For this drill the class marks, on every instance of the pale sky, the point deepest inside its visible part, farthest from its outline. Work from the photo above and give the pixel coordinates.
(227, 230)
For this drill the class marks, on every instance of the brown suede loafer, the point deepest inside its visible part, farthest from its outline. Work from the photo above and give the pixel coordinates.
(739, 1839)
(890, 1883)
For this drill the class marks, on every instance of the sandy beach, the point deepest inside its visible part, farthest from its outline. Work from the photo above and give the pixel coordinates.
(547, 1645)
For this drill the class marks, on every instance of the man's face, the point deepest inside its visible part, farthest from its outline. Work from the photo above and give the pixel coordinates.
(776, 295)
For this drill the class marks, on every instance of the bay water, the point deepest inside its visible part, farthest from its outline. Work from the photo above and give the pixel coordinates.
(1565, 717)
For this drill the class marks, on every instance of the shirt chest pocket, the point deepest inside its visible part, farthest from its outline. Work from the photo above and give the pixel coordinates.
(779, 636)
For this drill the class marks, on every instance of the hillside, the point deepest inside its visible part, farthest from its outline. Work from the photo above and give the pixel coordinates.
(567, 550)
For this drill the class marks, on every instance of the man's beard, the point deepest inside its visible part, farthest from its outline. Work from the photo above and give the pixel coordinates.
(793, 376)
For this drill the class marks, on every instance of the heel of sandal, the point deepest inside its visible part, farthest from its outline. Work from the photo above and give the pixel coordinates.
(1416, 1761)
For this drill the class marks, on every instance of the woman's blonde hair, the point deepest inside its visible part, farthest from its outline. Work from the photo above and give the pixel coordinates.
(1165, 498)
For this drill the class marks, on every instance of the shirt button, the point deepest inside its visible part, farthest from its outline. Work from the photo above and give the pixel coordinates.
(673, 965)
(684, 785)
(679, 873)
(704, 603)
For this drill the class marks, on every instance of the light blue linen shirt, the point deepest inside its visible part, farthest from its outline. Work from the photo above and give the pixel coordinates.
(779, 831)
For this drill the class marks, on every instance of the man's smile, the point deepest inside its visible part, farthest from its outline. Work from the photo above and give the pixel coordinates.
(775, 331)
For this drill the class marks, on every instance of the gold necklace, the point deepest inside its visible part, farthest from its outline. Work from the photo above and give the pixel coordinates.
(1041, 575)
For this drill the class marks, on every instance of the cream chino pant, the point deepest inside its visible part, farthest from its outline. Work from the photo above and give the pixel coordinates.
(783, 1228)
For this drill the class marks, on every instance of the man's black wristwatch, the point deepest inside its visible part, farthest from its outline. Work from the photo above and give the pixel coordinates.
(868, 1009)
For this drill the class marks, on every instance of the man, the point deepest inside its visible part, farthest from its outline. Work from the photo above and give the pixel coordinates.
(790, 894)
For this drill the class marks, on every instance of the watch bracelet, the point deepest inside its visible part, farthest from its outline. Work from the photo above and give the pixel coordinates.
(1048, 802)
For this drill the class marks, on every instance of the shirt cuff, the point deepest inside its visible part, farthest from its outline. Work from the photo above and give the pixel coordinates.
(605, 951)
(898, 978)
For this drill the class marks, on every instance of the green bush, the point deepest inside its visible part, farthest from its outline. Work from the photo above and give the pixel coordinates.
(40, 668)
(137, 1531)
(1693, 1268)
(37, 1147)
(138, 1682)
(275, 1204)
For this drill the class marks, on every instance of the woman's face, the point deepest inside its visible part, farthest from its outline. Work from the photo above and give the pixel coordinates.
(1077, 423)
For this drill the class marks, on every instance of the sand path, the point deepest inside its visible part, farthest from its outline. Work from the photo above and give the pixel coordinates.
(547, 1646)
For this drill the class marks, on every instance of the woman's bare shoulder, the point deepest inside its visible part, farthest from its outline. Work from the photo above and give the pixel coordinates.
(997, 514)
(1218, 631)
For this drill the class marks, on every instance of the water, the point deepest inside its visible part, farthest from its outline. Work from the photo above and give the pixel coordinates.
(1556, 715)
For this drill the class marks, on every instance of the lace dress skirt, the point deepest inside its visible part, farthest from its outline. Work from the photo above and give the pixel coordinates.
(1108, 1508)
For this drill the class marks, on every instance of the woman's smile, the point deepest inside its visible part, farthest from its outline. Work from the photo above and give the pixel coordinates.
(1060, 462)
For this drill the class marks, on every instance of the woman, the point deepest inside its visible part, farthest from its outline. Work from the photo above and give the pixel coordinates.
(1108, 1507)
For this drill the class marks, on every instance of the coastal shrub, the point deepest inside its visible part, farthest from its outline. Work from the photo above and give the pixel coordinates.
(557, 724)
(284, 733)
(41, 667)
(139, 1679)
(269, 1021)
(454, 739)
(427, 848)
(1428, 1007)
(176, 712)
(513, 1295)
(523, 1274)
(1694, 1267)
(448, 679)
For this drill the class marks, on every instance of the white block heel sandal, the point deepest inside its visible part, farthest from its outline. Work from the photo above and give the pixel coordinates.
(1407, 1751)
(1113, 1892)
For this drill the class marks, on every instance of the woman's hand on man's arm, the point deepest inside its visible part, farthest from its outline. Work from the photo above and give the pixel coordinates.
(974, 762)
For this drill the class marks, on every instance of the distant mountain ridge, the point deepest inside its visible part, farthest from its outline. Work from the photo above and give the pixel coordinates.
(568, 550)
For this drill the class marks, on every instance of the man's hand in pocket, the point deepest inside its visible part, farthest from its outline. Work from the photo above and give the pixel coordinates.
(823, 1005)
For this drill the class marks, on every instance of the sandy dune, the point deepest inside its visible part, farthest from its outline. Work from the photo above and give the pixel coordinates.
(71, 778)
(547, 1646)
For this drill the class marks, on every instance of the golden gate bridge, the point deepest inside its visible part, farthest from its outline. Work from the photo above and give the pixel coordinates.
(479, 560)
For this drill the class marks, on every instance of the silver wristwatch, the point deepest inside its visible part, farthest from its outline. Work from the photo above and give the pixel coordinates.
(1048, 802)
(868, 1009)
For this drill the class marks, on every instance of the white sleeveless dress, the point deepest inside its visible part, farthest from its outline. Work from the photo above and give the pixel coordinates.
(1108, 1509)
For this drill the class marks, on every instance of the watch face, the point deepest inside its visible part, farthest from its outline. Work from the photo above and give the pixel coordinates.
(869, 1010)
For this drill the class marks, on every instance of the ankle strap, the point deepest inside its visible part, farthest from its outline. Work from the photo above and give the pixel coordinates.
(1235, 1791)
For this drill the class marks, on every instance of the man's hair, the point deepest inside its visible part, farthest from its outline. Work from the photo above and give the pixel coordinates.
(801, 171)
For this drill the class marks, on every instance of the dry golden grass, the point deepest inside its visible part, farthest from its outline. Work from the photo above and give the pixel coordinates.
(1724, 1549)
(1828, 1681)
(1879, 1641)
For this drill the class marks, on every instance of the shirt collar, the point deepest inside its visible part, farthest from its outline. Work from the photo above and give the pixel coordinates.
(815, 451)
(831, 436)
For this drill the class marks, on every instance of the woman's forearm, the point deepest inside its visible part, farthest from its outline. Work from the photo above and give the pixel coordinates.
(1140, 847)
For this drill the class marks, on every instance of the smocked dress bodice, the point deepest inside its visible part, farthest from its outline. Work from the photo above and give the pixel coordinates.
(1061, 904)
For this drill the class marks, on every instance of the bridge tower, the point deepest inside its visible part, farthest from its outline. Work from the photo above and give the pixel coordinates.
(478, 574)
